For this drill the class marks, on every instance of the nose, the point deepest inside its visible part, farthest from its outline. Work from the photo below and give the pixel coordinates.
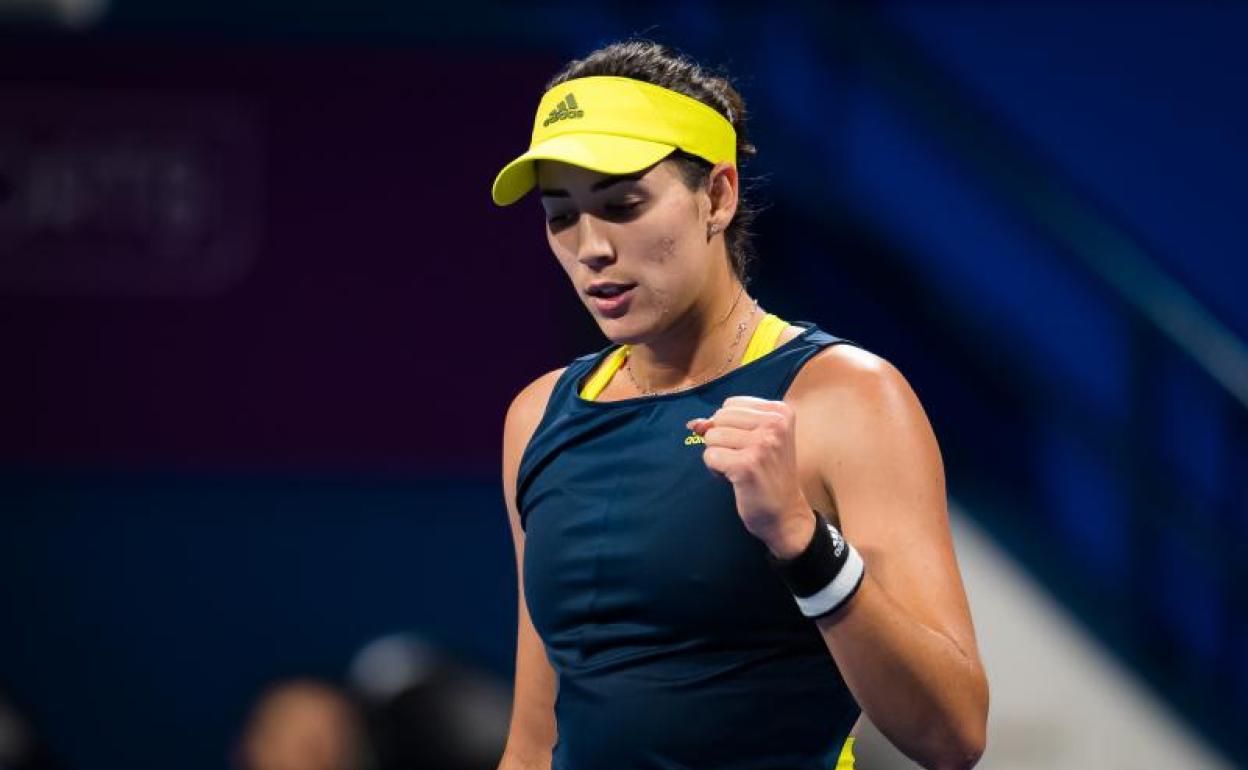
(593, 248)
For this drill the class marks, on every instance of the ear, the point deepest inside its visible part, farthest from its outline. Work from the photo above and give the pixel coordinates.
(722, 189)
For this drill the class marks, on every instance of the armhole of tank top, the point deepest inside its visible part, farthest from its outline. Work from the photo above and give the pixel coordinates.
(762, 342)
(566, 381)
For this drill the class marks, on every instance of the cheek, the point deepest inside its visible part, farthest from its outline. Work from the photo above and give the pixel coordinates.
(666, 249)
(568, 268)
(564, 257)
(670, 240)
(674, 249)
(553, 243)
(672, 261)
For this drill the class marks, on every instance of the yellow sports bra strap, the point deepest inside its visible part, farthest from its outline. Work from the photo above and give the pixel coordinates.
(762, 341)
(600, 378)
(846, 760)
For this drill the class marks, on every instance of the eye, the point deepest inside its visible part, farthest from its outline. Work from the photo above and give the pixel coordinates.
(559, 219)
(622, 209)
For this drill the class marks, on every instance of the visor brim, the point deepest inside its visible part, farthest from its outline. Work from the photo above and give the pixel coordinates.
(604, 153)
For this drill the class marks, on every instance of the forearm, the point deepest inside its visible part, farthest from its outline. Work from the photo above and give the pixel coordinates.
(530, 737)
(515, 761)
(923, 692)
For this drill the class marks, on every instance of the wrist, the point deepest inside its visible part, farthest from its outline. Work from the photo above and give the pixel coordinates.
(825, 574)
(795, 537)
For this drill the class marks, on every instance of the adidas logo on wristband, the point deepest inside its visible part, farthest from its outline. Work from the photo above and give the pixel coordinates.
(825, 575)
(838, 542)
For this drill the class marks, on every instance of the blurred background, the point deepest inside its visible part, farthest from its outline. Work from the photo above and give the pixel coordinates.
(260, 324)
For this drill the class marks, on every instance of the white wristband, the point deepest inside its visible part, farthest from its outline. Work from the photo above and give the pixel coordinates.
(837, 592)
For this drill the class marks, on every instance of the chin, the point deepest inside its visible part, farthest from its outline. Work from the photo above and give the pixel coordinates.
(623, 331)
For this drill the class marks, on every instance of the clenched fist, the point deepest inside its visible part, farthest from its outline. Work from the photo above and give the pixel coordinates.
(751, 442)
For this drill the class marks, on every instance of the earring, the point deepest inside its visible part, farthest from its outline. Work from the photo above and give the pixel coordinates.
(713, 229)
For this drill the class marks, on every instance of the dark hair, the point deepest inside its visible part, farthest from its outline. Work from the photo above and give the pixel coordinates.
(655, 63)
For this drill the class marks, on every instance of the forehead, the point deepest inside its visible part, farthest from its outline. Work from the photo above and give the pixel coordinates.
(557, 175)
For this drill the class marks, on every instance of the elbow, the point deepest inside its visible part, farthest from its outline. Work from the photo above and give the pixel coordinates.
(964, 746)
(963, 758)
(514, 761)
(948, 736)
(957, 745)
(949, 751)
(962, 751)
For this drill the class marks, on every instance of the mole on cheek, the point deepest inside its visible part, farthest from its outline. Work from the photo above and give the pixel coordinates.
(667, 248)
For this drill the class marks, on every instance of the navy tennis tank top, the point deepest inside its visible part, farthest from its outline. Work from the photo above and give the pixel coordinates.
(676, 646)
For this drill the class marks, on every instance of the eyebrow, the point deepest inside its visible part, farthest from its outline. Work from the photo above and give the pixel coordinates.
(595, 187)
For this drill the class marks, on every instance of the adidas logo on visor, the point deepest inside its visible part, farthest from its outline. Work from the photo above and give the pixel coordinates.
(565, 110)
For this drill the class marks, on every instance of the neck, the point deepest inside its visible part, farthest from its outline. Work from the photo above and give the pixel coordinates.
(697, 346)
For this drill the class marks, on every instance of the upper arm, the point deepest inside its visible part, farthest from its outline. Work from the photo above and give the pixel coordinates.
(880, 464)
(532, 732)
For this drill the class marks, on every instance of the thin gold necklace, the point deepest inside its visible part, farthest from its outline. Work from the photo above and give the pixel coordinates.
(628, 365)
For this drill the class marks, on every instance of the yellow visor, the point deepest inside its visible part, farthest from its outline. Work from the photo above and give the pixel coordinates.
(615, 125)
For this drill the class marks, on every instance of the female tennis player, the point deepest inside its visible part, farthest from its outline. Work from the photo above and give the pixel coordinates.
(731, 532)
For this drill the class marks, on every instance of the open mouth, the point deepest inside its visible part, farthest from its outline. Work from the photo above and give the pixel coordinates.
(612, 300)
(609, 290)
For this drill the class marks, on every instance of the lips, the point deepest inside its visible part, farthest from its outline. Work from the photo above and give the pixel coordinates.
(608, 289)
(611, 300)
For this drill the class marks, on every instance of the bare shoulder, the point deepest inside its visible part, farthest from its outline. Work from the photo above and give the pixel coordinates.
(527, 407)
(841, 365)
(846, 372)
(857, 407)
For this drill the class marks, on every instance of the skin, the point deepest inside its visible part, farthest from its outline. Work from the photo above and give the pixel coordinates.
(302, 725)
(681, 320)
(865, 456)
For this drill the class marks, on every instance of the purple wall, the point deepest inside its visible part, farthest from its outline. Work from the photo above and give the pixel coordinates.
(278, 260)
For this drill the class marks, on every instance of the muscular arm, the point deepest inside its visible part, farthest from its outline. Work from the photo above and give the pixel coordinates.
(904, 643)
(531, 736)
